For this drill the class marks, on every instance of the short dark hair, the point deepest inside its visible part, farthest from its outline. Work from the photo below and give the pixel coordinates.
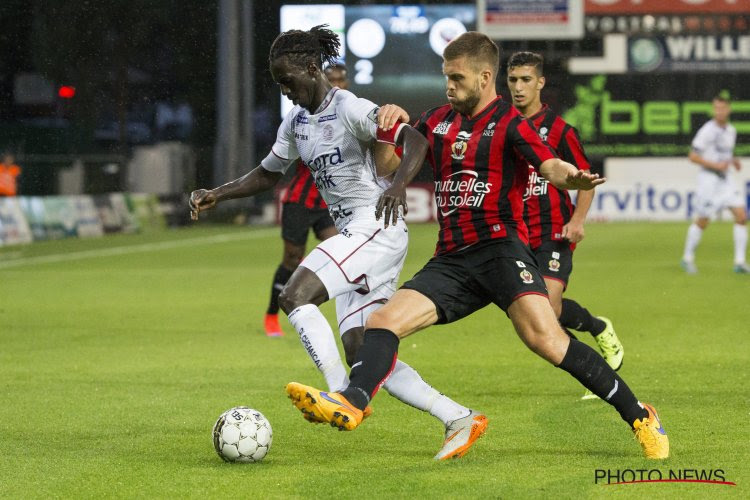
(319, 45)
(527, 59)
(477, 46)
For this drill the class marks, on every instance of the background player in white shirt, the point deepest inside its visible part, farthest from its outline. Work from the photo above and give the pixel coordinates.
(334, 133)
(713, 150)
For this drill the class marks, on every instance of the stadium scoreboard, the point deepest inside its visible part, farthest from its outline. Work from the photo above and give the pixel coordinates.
(393, 53)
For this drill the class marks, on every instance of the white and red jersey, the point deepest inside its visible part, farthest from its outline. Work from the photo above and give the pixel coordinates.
(335, 143)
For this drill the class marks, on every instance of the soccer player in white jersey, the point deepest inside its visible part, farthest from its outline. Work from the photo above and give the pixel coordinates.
(336, 135)
(713, 150)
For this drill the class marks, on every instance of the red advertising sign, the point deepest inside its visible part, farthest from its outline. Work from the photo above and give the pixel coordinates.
(594, 7)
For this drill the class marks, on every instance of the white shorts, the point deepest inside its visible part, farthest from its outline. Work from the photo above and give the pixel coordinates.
(715, 193)
(360, 267)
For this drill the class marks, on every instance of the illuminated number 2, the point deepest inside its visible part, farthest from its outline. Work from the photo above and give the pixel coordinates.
(364, 72)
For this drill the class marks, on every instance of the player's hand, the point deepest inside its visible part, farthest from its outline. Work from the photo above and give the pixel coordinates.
(201, 199)
(573, 231)
(389, 115)
(722, 166)
(737, 164)
(583, 180)
(390, 200)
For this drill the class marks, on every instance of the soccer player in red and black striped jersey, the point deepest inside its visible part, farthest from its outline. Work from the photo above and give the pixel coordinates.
(480, 149)
(555, 225)
(302, 209)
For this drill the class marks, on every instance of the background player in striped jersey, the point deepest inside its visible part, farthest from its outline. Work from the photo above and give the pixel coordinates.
(302, 209)
(336, 135)
(480, 149)
(713, 150)
(555, 225)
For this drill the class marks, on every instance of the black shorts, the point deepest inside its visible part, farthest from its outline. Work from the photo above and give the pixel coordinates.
(491, 272)
(555, 260)
(297, 220)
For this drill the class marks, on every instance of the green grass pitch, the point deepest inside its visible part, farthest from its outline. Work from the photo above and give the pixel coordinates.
(118, 354)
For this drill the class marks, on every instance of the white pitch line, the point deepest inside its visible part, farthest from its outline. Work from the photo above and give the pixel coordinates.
(128, 249)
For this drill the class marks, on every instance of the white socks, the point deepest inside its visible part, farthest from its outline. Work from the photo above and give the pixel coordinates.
(317, 338)
(691, 242)
(406, 385)
(740, 243)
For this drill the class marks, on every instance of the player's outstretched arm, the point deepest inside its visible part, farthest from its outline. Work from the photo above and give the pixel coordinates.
(252, 183)
(415, 149)
(564, 175)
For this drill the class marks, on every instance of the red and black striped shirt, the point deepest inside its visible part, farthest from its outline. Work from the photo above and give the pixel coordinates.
(481, 170)
(302, 189)
(547, 209)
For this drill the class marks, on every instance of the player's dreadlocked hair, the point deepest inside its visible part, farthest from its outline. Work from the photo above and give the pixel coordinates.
(319, 43)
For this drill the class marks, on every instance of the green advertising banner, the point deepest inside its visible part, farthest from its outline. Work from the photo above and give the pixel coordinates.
(650, 114)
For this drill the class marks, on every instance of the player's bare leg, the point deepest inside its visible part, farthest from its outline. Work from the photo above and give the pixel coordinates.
(536, 324)
(555, 290)
(300, 299)
(693, 238)
(739, 233)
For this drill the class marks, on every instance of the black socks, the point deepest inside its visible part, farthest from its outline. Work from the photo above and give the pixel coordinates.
(590, 369)
(375, 361)
(574, 316)
(279, 280)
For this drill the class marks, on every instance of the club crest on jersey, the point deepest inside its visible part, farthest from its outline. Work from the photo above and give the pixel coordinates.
(459, 147)
(441, 128)
(327, 133)
(543, 133)
(527, 277)
(554, 265)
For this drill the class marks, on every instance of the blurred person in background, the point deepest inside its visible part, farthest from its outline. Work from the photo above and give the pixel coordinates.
(9, 173)
(713, 150)
(302, 209)
(555, 224)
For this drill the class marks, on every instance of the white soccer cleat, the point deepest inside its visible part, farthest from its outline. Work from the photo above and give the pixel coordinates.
(689, 266)
(461, 434)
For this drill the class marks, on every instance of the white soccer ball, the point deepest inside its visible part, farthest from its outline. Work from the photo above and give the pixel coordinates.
(242, 435)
